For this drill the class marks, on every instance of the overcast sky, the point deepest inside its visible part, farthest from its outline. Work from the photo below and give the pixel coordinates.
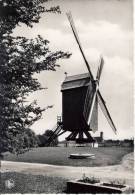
(104, 27)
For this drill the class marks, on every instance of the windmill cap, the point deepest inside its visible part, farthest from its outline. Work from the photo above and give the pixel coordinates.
(75, 81)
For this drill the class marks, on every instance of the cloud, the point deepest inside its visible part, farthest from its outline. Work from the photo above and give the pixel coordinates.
(107, 37)
(116, 86)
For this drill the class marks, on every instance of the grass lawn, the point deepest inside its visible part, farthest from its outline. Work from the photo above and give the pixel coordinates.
(26, 183)
(59, 156)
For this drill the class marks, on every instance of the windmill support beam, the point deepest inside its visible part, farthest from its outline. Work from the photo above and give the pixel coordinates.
(61, 133)
(81, 135)
(72, 136)
(69, 137)
(80, 139)
(55, 134)
(88, 135)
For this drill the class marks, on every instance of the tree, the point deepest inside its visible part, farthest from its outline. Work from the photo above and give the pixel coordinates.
(20, 59)
(48, 133)
(43, 139)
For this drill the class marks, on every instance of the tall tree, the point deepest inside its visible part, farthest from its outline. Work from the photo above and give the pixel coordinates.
(20, 59)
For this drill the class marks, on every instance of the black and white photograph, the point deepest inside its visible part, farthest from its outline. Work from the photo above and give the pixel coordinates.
(66, 97)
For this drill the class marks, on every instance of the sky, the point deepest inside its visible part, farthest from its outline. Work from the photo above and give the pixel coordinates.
(105, 27)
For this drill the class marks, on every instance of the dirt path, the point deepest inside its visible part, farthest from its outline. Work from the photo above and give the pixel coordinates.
(124, 171)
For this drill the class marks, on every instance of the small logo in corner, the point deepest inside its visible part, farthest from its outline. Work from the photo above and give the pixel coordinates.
(9, 183)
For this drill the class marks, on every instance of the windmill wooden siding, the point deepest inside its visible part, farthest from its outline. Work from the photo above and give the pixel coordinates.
(74, 90)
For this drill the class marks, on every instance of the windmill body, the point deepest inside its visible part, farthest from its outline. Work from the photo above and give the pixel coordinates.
(74, 90)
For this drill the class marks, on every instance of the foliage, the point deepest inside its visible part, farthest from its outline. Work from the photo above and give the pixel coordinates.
(20, 59)
(49, 133)
(43, 139)
(118, 182)
(114, 184)
(14, 12)
(91, 180)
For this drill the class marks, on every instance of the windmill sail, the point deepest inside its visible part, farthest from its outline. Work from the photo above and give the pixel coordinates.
(92, 104)
(105, 111)
(90, 101)
(87, 103)
(100, 68)
(78, 42)
(91, 97)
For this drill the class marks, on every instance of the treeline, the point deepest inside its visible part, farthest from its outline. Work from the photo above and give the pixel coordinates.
(125, 142)
(43, 139)
(31, 139)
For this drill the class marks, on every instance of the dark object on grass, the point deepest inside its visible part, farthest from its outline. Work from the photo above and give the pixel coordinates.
(81, 156)
(96, 188)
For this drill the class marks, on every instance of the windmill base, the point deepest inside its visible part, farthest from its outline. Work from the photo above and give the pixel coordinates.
(78, 137)
(83, 141)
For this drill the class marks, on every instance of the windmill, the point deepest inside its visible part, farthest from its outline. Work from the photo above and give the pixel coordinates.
(80, 100)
